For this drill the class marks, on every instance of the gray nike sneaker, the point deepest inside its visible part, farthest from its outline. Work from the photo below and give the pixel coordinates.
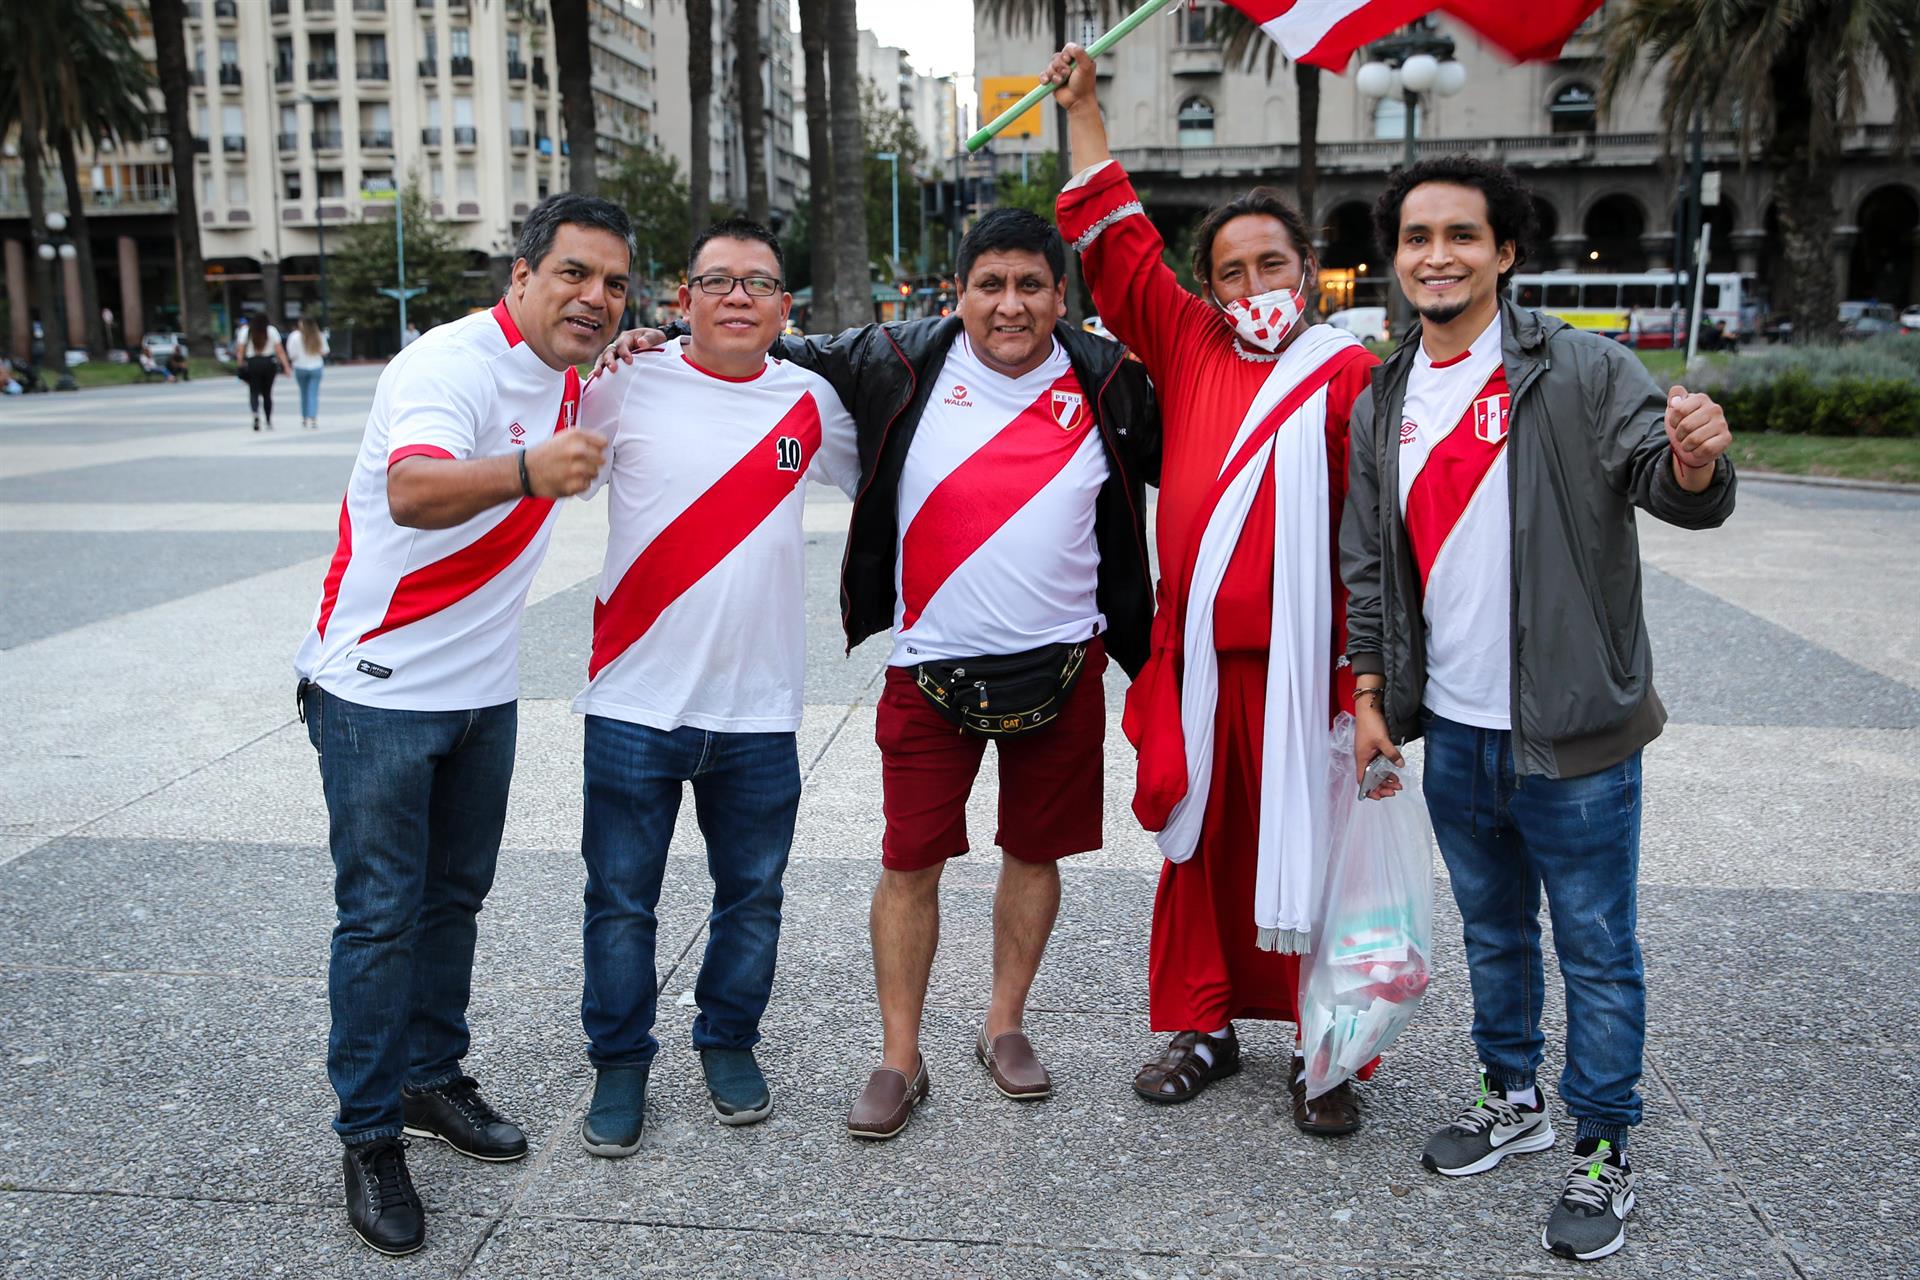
(1488, 1132)
(1590, 1221)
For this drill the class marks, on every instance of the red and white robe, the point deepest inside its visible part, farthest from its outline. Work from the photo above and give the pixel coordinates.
(1205, 965)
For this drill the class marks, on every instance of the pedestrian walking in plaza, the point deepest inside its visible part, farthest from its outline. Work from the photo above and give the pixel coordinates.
(408, 681)
(1494, 569)
(1231, 715)
(262, 358)
(699, 652)
(307, 349)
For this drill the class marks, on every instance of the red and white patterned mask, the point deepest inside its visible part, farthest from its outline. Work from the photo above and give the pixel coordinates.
(1265, 320)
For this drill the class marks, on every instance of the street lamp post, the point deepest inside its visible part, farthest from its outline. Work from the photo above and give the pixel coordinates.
(1410, 63)
(56, 245)
(893, 164)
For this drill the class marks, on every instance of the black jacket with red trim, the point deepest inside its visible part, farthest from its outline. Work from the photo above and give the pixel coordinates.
(885, 375)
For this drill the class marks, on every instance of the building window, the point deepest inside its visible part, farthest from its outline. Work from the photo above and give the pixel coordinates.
(467, 183)
(229, 53)
(333, 185)
(1573, 109)
(1196, 23)
(237, 187)
(291, 185)
(1196, 123)
(437, 182)
(1390, 119)
(460, 43)
(429, 45)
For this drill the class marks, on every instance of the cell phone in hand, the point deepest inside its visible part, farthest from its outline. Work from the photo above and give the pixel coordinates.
(1377, 771)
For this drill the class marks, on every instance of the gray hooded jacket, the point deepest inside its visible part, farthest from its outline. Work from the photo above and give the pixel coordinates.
(1587, 444)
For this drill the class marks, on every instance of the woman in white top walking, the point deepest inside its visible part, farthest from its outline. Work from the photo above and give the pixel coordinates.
(307, 348)
(262, 359)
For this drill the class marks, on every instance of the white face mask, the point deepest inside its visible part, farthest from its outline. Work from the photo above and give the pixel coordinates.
(1265, 320)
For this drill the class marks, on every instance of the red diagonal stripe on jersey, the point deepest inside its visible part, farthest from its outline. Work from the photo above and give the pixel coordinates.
(703, 535)
(983, 493)
(1449, 478)
(447, 581)
(342, 553)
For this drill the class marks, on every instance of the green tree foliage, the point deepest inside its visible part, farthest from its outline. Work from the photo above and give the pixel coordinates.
(886, 128)
(648, 184)
(1039, 192)
(366, 263)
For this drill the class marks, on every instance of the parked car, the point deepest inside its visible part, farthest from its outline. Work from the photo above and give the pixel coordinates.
(1654, 330)
(1369, 324)
(161, 345)
(1862, 320)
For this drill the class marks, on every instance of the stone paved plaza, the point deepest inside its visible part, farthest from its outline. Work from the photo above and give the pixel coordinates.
(165, 906)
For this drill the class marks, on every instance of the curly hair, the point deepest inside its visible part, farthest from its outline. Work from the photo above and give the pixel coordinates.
(1509, 203)
(1262, 201)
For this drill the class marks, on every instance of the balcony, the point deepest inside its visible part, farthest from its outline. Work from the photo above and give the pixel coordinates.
(319, 8)
(376, 139)
(201, 146)
(370, 70)
(539, 73)
(323, 70)
(369, 6)
(197, 77)
(543, 144)
(1198, 60)
(463, 135)
(516, 69)
(234, 143)
(154, 198)
(229, 75)
(283, 73)
(289, 142)
(429, 68)
(226, 11)
(193, 10)
(430, 136)
(326, 139)
(460, 66)
(519, 137)
(279, 8)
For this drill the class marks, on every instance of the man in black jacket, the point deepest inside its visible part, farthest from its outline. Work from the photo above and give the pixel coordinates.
(999, 531)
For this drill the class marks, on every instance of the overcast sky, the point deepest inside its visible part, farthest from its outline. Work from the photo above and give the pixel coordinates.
(937, 34)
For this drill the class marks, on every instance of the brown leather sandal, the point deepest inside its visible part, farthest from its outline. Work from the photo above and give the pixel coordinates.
(1180, 1074)
(1333, 1114)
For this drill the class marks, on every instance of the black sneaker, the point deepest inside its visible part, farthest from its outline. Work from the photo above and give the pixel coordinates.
(1590, 1221)
(382, 1206)
(457, 1115)
(1488, 1132)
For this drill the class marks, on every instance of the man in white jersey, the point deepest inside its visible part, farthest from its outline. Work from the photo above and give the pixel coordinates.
(408, 680)
(998, 530)
(699, 646)
(1489, 548)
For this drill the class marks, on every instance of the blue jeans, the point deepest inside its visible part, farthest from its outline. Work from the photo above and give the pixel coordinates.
(746, 790)
(416, 801)
(309, 380)
(1504, 838)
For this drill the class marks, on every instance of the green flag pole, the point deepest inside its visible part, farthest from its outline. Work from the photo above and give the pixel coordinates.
(1044, 88)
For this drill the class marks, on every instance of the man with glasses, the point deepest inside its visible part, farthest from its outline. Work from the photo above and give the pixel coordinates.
(699, 645)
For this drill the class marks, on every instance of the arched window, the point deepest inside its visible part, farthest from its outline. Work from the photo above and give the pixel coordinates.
(1196, 123)
(1390, 118)
(1573, 109)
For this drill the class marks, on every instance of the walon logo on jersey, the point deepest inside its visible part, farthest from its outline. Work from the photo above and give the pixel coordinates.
(1068, 409)
(958, 397)
(1490, 418)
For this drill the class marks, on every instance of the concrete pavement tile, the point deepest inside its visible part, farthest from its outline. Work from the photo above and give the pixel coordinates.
(1810, 1131)
(199, 1087)
(287, 474)
(1784, 807)
(57, 1237)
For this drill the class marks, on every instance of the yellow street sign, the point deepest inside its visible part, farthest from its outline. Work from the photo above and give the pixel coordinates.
(997, 93)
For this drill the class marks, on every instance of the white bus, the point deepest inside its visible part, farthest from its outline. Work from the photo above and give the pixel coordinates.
(1604, 302)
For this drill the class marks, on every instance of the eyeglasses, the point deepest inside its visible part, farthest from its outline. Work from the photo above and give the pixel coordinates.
(720, 286)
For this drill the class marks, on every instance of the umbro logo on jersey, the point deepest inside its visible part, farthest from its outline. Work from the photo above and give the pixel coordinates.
(518, 432)
(1068, 407)
(1490, 418)
(1408, 430)
(958, 397)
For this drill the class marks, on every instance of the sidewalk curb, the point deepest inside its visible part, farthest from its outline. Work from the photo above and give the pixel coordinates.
(1831, 482)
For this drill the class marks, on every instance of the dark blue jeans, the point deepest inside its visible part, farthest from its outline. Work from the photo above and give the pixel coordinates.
(416, 801)
(746, 790)
(1504, 838)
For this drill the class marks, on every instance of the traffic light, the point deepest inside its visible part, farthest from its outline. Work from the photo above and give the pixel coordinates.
(906, 290)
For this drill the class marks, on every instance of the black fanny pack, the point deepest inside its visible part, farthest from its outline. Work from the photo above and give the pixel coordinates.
(998, 697)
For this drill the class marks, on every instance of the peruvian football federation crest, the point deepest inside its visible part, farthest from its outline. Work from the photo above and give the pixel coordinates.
(1069, 409)
(1490, 418)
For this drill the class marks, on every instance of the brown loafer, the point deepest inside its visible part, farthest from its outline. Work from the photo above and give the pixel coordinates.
(886, 1104)
(1016, 1070)
(1180, 1073)
(1333, 1114)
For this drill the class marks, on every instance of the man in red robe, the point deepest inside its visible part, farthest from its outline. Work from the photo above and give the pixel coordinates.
(1231, 715)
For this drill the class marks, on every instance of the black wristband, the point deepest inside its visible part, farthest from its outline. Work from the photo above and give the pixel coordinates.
(526, 481)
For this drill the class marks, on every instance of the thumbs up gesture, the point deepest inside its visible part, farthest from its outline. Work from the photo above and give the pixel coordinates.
(1697, 431)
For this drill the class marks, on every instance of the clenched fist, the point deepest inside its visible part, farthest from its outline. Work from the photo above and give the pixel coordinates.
(566, 464)
(1072, 71)
(1697, 431)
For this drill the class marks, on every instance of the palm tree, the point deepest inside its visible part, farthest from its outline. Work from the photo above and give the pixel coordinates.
(573, 69)
(22, 59)
(753, 109)
(700, 113)
(170, 60)
(820, 208)
(1803, 65)
(852, 283)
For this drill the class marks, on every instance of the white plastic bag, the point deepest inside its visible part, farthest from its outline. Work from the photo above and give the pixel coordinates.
(1361, 983)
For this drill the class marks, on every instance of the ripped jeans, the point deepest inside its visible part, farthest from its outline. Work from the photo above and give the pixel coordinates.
(1503, 839)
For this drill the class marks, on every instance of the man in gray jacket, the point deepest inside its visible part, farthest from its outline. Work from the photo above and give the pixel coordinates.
(1494, 607)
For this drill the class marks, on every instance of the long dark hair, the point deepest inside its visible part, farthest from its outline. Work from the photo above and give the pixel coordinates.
(257, 332)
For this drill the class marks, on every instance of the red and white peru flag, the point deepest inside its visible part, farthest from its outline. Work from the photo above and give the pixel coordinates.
(1325, 33)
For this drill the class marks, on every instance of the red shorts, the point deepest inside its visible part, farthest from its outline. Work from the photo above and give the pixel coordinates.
(1050, 781)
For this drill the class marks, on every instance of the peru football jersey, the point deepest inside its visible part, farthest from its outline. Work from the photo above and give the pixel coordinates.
(997, 552)
(429, 619)
(1453, 498)
(700, 616)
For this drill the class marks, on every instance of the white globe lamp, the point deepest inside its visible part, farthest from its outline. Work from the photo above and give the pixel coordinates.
(1419, 72)
(56, 222)
(1451, 79)
(1374, 79)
